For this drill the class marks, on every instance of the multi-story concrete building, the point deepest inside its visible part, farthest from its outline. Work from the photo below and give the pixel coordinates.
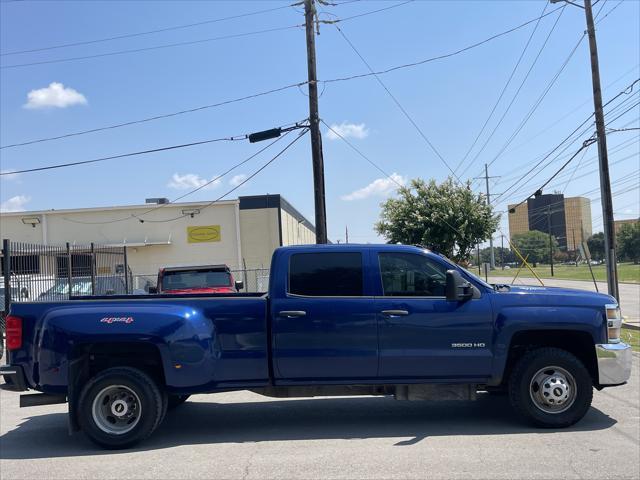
(567, 219)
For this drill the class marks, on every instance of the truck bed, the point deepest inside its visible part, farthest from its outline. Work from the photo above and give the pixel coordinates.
(205, 342)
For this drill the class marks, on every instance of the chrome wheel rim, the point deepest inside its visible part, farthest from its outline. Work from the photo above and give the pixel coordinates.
(553, 389)
(116, 409)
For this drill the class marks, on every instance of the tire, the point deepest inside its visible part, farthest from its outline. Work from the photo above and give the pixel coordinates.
(120, 407)
(177, 400)
(550, 388)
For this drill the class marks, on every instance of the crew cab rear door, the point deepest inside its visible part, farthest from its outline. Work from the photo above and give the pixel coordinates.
(422, 335)
(323, 322)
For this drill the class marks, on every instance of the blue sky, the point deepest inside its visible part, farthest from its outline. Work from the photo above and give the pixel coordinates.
(449, 100)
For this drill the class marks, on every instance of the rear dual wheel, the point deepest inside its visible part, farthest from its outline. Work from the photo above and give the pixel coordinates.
(120, 407)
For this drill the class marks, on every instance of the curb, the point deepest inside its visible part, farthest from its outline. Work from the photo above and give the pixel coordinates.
(630, 326)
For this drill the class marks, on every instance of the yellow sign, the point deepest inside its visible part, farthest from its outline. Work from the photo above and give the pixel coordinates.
(204, 233)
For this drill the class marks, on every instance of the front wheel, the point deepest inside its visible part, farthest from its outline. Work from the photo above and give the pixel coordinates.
(550, 388)
(119, 407)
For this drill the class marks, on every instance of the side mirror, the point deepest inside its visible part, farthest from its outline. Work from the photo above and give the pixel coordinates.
(239, 285)
(457, 288)
(153, 290)
(24, 293)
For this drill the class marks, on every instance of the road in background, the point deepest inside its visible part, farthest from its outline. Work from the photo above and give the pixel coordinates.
(245, 436)
(629, 292)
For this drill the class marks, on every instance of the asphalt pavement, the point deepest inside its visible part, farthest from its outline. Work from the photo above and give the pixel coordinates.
(242, 435)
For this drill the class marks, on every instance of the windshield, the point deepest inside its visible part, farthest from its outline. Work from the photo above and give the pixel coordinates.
(180, 280)
(472, 275)
(82, 286)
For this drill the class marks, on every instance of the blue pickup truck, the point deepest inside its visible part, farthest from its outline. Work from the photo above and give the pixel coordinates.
(337, 320)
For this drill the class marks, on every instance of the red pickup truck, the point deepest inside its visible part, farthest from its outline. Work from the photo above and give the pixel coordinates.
(198, 279)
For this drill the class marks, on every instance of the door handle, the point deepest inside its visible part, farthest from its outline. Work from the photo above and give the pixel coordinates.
(292, 313)
(395, 313)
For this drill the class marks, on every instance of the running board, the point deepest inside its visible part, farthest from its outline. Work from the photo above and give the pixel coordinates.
(37, 399)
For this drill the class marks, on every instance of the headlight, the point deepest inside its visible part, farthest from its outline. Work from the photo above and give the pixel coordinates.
(614, 322)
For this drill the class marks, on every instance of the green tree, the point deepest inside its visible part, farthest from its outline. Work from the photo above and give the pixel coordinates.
(450, 218)
(596, 245)
(628, 240)
(535, 244)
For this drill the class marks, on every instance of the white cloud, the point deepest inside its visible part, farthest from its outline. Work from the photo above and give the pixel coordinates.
(380, 187)
(237, 179)
(56, 95)
(8, 175)
(15, 204)
(190, 181)
(348, 130)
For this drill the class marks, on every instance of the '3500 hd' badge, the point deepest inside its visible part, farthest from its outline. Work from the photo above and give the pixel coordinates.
(111, 320)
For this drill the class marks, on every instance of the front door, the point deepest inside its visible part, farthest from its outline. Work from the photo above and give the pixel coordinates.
(324, 327)
(422, 335)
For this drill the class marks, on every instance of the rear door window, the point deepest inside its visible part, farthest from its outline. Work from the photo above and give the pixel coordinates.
(328, 274)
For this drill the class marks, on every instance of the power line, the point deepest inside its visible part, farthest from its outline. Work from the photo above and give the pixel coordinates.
(504, 88)
(399, 105)
(157, 117)
(519, 89)
(353, 147)
(147, 32)
(294, 85)
(538, 101)
(132, 154)
(191, 192)
(156, 47)
(626, 91)
(273, 159)
(191, 42)
(439, 57)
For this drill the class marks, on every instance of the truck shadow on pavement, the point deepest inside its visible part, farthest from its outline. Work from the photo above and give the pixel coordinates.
(198, 422)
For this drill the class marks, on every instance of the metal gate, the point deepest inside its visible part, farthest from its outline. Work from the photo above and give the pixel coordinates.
(42, 273)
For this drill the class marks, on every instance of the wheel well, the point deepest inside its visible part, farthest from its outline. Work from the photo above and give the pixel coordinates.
(143, 356)
(580, 344)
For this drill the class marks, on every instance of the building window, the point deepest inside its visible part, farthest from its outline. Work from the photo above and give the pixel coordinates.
(327, 274)
(23, 264)
(411, 275)
(80, 265)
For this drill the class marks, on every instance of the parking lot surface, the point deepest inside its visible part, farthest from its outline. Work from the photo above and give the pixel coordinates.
(245, 436)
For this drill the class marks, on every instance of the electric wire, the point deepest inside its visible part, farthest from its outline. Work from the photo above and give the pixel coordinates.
(505, 87)
(191, 192)
(130, 154)
(155, 47)
(157, 117)
(399, 105)
(147, 32)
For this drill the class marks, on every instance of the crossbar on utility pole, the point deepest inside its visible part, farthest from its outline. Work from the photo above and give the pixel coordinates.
(314, 126)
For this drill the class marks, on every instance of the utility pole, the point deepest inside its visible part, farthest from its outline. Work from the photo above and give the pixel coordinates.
(346, 234)
(550, 237)
(502, 251)
(492, 258)
(314, 125)
(479, 267)
(575, 247)
(603, 160)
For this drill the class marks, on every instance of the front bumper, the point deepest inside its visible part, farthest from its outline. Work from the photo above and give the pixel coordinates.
(614, 363)
(13, 378)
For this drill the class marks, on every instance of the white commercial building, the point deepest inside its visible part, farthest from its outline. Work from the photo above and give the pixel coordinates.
(240, 233)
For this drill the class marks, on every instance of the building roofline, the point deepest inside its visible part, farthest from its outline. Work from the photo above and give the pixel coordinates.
(117, 207)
